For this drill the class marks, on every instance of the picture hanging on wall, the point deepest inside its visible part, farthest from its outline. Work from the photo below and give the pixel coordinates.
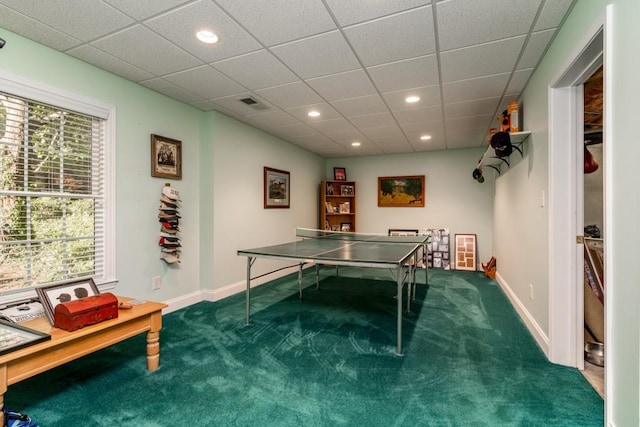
(277, 188)
(401, 191)
(166, 157)
(438, 254)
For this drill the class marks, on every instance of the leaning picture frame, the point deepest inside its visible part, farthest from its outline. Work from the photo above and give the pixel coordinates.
(166, 157)
(14, 336)
(339, 174)
(277, 188)
(466, 256)
(52, 295)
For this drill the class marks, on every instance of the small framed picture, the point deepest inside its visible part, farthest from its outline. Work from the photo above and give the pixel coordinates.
(329, 191)
(346, 190)
(52, 295)
(277, 188)
(166, 157)
(345, 226)
(339, 174)
(466, 258)
(326, 225)
(328, 207)
(335, 227)
(344, 208)
(14, 336)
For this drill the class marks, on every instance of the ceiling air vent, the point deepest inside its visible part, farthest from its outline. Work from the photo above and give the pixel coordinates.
(254, 104)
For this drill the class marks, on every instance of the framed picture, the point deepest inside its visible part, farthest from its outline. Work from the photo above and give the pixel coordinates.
(344, 208)
(439, 248)
(401, 191)
(339, 174)
(14, 336)
(50, 296)
(328, 207)
(329, 189)
(166, 157)
(466, 257)
(346, 190)
(403, 232)
(277, 188)
(345, 226)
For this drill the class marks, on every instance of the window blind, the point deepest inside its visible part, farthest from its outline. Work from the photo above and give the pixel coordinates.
(52, 194)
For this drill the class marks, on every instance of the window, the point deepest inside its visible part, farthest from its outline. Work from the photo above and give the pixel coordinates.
(54, 193)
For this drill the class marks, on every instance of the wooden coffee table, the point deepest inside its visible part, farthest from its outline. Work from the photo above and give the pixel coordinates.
(66, 346)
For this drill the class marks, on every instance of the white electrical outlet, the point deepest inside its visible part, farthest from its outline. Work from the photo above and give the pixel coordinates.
(530, 291)
(156, 282)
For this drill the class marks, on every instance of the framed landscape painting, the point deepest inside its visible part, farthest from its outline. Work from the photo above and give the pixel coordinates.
(277, 188)
(401, 191)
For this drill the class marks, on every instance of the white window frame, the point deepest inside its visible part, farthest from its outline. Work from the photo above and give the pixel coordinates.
(46, 94)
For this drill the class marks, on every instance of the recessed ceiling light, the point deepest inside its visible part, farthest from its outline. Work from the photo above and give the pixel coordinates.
(355, 144)
(207, 37)
(313, 113)
(425, 137)
(412, 99)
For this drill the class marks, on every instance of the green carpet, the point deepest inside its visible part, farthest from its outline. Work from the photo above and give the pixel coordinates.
(326, 361)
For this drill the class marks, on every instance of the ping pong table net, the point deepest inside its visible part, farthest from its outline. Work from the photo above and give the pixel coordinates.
(309, 233)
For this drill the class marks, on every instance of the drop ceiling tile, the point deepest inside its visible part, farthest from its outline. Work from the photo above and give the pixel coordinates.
(487, 59)
(34, 30)
(354, 11)
(469, 22)
(433, 145)
(272, 119)
(519, 80)
(169, 89)
(180, 25)
(110, 63)
(350, 84)
(429, 96)
(410, 73)
(208, 105)
(472, 108)
(346, 136)
(383, 132)
(396, 148)
(479, 88)
(318, 56)
(206, 81)
(420, 115)
(362, 105)
(414, 131)
(332, 125)
(373, 120)
(265, 18)
(233, 103)
(535, 48)
(552, 14)
(363, 150)
(290, 95)
(256, 70)
(71, 15)
(145, 49)
(467, 137)
(143, 9)
(484, 121)
(294, 131)
(326, 112)
(386, 39)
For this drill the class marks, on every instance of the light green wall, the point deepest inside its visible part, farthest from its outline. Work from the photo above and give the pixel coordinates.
(238, 155)
(623, 213)
(523, 254)
(139, 112)
(453, 199)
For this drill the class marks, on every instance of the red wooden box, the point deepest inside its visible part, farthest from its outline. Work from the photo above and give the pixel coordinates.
(73, 315)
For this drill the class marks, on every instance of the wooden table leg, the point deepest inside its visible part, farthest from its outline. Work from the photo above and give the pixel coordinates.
(153, 342)
(3, 390)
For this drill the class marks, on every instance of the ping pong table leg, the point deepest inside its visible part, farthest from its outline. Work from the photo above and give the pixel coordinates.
(400, 280)
(248, 291)
(300, 279)
(317, 277)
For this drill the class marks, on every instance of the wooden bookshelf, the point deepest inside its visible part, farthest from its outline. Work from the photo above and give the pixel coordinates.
(338, 205)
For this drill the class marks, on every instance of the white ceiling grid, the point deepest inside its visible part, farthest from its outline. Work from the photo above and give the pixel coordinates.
(354, 61)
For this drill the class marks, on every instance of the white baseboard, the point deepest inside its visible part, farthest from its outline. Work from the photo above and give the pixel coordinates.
(218, 294)
(534, 328)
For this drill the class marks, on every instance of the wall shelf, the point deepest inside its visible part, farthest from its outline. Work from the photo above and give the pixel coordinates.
(491, 160)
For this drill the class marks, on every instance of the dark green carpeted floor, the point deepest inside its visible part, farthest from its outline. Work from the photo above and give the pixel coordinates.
(326, 361)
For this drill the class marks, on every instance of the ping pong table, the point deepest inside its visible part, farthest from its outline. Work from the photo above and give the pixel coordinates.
(320, 247)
